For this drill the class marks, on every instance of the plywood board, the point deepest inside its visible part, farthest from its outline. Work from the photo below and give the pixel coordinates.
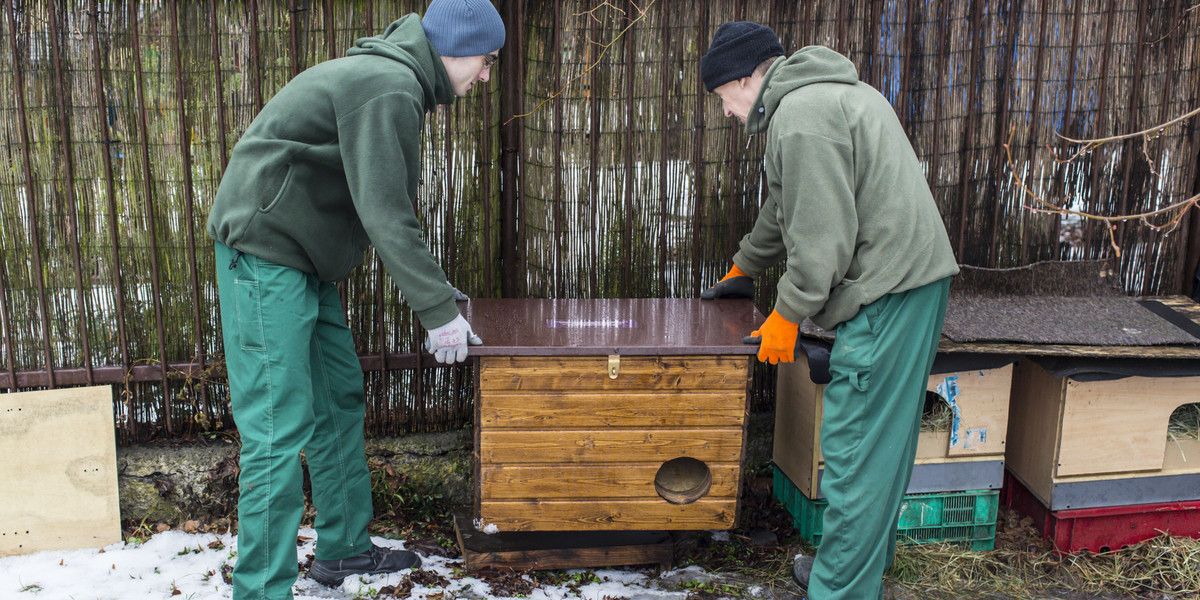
(1118, 426)
(979, 400)
(1034, 421)
(508, 447)
(979, 397)
(544, 410)
(797, 425)
(590, 481)
(636, 373)
(58, 462)
(609, 515)
(1182, 456)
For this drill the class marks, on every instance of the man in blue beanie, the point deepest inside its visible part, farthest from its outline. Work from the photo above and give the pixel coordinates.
(329, 166)
(849, 211)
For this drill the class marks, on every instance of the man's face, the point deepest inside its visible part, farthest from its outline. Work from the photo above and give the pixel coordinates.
(465, 71)
(737, 96)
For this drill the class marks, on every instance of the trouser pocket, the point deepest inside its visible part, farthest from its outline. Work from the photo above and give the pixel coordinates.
(853, 354)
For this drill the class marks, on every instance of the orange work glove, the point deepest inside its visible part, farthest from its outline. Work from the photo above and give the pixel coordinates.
(734, 271)
(778, 339)
(735, 284)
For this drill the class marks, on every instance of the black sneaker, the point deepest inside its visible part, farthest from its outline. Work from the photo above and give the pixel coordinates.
(375, 561)
(802, 570)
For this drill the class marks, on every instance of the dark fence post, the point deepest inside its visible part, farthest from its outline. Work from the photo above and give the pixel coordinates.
(151, 215)
(110, 187)
(64, 128)
(30, 192)
(512, 92)
(966, 153)
(1015, 15)
(1164, 115)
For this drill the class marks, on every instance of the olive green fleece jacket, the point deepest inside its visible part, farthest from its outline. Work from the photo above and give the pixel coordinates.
(331, 165)
(848, 206)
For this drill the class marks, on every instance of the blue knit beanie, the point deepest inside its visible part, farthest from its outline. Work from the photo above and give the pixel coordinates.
(736, 49)
(463, 27)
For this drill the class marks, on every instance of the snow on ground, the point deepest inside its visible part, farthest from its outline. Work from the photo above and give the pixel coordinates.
(174, 564)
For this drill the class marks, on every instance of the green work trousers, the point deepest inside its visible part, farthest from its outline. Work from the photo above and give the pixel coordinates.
(296, 384)
(879, 366)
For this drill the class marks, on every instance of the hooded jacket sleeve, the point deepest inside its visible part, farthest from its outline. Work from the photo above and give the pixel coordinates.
(819, 217)
(763, 246)
(380, 143)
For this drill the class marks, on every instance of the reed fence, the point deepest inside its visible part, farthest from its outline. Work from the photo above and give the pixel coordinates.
(628, 182)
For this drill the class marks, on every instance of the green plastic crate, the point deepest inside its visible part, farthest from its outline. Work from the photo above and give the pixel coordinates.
(967, 518)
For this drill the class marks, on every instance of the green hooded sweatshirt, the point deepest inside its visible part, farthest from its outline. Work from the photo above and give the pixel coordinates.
(848, 206)
(331, 165)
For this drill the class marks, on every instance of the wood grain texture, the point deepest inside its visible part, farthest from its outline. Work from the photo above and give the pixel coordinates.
(981, 406)
(637, 373)
(981, 400)
(59, 459)
(590, 481)
(543, 410)
(1119, 426)
(1034, 423)
(797, 443)
(507, 447)
(609, 515)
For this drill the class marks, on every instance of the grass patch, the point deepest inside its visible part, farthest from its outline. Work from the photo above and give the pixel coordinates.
(1028, 568)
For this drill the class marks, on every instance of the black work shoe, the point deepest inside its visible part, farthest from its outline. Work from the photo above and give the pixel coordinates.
(375, 561)
(802, 570)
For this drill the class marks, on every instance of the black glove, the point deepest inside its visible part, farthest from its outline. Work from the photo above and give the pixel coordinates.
(733, 287)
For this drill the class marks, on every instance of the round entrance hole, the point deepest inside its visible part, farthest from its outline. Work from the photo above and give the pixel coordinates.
(682, 480)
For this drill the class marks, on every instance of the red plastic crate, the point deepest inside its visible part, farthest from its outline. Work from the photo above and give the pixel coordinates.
(1102, 529)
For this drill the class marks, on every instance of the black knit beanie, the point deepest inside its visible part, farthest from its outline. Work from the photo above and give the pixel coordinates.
(736, 49)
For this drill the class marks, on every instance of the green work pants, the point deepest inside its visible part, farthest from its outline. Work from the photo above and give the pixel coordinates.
(296, 384)
(879, 366)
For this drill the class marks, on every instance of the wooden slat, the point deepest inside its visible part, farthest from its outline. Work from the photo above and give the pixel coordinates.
(604, 409)
(640, 373)
(608, 515)
(591, 481)
(608, 446)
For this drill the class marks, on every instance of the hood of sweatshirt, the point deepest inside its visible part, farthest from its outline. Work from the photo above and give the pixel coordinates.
(809, 65)
(404, 41)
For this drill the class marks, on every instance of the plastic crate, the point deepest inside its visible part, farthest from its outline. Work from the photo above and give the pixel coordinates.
(1102, 529)
(967, 518)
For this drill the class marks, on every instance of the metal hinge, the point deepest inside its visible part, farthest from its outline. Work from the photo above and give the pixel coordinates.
(614, 365)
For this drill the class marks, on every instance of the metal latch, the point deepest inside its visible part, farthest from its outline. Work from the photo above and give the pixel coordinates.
(614, 365)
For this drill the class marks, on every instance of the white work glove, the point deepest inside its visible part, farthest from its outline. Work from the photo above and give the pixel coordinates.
(448, 343)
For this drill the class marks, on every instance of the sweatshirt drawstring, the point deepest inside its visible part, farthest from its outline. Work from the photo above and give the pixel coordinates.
(233, 263)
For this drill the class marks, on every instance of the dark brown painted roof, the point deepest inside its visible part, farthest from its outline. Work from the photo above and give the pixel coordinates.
(627, 326)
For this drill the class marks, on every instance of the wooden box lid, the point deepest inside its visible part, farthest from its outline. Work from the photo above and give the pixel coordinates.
(626, 326)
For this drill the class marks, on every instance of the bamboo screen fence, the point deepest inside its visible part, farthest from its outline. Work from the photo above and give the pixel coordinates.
(628, 182)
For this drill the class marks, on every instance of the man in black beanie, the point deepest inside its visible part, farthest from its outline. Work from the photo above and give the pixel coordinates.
(867, 256)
